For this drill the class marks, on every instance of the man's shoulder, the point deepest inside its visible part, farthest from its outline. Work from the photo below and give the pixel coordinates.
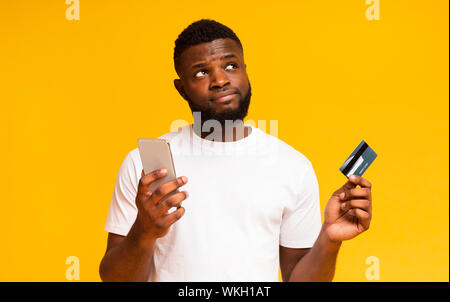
(285, 151)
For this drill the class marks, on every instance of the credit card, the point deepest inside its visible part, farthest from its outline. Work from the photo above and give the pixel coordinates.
(358, 162)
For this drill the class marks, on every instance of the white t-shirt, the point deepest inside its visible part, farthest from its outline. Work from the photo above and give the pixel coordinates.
(245, 199)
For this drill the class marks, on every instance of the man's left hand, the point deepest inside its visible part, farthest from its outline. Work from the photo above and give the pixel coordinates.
(349, 210)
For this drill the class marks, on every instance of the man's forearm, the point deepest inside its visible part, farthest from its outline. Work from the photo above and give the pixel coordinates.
(130, 260)
(318, 265)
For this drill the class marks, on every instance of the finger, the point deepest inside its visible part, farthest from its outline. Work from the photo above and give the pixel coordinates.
(147, 179)
(345, 194)
(362, 204)
(363, 218)
(358, 180)
(349, 185)
(346, 187)
(144, 192)
(174, 200)
(359, 193)
(173, 217)
(168, 187)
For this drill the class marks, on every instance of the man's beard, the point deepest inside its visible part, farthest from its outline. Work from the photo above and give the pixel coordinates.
(226, 115)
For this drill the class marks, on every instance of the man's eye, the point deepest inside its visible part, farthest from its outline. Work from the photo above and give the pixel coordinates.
(234, 66)
(200, 73)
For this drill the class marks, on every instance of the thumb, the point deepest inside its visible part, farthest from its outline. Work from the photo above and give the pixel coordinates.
(345, 189)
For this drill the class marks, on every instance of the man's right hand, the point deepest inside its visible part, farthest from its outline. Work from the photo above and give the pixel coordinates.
(152, 218)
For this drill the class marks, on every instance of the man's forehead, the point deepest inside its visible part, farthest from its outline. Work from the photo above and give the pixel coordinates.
(211, 50)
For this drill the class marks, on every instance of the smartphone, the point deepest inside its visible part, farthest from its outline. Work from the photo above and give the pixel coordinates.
(156, 154)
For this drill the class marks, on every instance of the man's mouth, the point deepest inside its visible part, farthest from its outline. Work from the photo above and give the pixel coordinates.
(224, 97)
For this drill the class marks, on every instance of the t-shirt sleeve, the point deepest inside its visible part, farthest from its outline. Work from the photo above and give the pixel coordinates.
(301, 221)
(122, 210)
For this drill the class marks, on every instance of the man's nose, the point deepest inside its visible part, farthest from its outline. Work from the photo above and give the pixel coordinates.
(219, 79)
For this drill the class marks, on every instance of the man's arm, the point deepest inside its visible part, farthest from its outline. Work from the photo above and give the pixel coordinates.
(289, 257)
(347, 214)
(129, 258)
(316, 264)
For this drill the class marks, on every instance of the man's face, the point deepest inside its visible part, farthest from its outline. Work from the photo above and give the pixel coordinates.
(214, 81)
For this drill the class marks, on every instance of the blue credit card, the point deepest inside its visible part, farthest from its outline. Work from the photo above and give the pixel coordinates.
(358, 162)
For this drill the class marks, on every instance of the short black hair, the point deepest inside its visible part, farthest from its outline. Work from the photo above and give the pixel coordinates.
(201, 31)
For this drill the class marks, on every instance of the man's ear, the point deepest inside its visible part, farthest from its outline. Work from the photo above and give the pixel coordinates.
(180, 89)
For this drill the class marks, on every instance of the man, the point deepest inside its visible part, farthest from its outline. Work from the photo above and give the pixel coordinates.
(253, 200)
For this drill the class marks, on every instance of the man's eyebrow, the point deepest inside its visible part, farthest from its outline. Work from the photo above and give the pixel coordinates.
(224, 57)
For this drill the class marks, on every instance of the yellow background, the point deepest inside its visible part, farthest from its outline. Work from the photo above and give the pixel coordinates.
(76, 95)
